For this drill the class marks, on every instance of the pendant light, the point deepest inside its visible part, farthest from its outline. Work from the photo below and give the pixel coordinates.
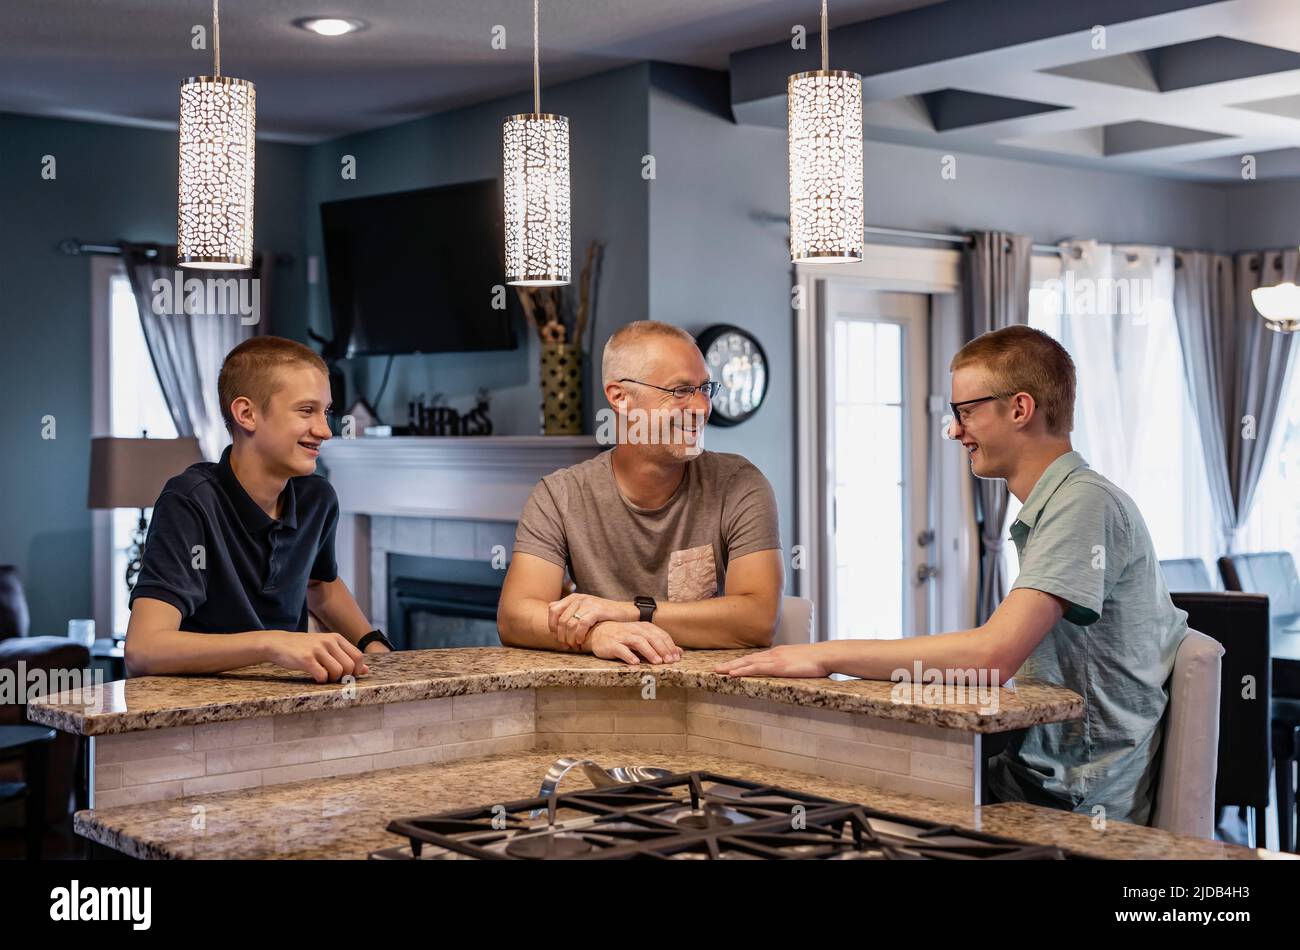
(825, 138)
(536, 157)
(218, 119)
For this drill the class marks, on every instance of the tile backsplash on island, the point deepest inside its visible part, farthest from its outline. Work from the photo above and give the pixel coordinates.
(181, 761)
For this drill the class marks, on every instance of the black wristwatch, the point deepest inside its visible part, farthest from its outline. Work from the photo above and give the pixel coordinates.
(647, 607)
(371, 637)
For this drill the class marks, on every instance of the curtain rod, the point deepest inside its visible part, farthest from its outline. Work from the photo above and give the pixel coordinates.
(768, 217)
(74, 248)
(1042, 248)
(947, 238)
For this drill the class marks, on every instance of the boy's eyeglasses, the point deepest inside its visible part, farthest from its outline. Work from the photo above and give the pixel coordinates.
(958, 412)
(710, 388)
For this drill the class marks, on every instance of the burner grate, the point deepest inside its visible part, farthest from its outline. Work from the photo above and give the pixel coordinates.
(693, 816)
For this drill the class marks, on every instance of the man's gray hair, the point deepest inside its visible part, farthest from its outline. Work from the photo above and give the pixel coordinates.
(624, 354)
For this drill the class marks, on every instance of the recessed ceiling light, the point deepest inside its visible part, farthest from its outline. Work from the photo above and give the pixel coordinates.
(330, 25)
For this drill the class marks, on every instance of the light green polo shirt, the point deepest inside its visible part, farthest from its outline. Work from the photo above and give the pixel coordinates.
(1083, 540)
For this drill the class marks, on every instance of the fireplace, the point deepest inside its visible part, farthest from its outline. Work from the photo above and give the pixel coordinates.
(437, 602)
(439, 499)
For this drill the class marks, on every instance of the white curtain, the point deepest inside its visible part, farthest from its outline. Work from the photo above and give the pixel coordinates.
(187, 349)
(1112, 298)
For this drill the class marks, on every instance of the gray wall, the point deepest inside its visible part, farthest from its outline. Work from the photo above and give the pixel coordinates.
(113, 182)
(1262, 215)
(904, 189)
(607, 116)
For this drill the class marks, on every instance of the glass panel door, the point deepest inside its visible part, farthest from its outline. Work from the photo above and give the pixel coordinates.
(876, 458)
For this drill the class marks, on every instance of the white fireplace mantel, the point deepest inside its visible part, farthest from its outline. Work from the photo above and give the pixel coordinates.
(443, 496)
(479, 478)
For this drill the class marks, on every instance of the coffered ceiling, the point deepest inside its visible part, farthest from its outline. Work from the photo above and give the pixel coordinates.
(1168, 87)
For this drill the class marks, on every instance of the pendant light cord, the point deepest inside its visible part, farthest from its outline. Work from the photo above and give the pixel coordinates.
(537, 72)
(825, 50)
(216, 41)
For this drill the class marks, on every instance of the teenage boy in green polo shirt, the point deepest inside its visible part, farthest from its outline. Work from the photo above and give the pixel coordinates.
(1089, 610)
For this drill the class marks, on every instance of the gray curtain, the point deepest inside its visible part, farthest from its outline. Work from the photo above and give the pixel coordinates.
(1236, 369)
(187, 348)
(997, 296)
(1204, 303)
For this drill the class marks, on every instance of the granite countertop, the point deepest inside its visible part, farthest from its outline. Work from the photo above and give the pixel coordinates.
(155, 702)
(346, 817)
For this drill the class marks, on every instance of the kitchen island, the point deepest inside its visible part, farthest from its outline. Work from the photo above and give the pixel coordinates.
(262, 762)
(167, 737)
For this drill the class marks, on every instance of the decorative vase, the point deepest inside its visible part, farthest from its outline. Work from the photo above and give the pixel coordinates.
(561, 389)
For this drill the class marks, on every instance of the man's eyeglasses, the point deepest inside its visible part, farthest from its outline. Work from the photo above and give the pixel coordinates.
(958, 412)
(710, 389)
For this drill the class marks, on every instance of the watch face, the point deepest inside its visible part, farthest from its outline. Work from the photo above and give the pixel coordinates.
(736, 360)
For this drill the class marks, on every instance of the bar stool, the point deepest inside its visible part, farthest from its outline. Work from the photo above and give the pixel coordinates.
(1286, 751)
(1240, 622)
(34, 744)
(1184, 793)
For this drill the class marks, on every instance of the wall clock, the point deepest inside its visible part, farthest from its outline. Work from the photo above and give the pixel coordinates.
(735, 359)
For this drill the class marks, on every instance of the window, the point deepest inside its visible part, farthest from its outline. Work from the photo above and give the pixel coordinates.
(868, 470)
(1159, 457)
(135, 405)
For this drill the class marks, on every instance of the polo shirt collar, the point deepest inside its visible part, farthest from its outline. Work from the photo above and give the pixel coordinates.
(1051, 479)
(250, 512)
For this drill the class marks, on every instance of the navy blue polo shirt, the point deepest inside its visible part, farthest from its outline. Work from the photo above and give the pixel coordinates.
(224, 563)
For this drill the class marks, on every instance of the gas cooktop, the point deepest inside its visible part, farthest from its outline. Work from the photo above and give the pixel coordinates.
(695, 815)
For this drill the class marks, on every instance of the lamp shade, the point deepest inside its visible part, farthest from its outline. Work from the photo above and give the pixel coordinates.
(1279, 306)
(131, 473)
(825, 133)
(536, 167)
(214, 218)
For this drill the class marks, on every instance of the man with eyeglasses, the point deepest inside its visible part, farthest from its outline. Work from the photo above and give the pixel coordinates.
(669, 546)
(1089, 610)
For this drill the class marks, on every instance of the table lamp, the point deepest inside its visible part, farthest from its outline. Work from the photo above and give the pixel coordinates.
(131, 473)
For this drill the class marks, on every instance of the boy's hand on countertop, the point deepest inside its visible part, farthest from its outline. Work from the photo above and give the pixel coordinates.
(327, 657)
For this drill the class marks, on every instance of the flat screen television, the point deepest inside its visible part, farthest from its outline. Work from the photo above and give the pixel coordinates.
(414, 271)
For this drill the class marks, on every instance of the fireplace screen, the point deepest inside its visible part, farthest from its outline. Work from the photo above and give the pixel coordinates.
(435, 603)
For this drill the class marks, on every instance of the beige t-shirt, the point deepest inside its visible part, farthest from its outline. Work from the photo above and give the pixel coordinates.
(577, 518)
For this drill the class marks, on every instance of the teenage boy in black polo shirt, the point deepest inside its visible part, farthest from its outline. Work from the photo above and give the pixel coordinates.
(244, 547)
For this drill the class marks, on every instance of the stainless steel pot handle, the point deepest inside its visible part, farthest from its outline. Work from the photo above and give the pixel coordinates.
(598, 776)
(558, 769)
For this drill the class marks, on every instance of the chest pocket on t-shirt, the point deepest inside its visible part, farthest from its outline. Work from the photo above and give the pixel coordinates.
(692, 574)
